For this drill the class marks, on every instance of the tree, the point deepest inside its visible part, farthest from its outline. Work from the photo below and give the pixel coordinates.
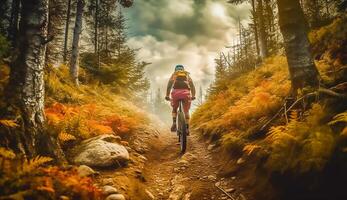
(55, 30)
(262, 30)
(14, 19)
(25, 91)
(75, 41)
(294, 29)
(67, 25)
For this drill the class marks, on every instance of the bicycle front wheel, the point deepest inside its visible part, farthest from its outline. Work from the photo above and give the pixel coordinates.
(183, 132)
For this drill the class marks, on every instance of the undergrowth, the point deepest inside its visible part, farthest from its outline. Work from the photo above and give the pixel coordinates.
(88, 110)
(303, 141)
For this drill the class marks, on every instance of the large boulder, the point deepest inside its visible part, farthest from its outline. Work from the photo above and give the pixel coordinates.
(100, 151)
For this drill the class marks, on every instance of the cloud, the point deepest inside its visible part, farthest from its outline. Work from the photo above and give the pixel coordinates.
(188, 32)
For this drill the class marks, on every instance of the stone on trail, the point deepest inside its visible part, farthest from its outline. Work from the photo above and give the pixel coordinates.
(149, 194)
(177, 193)
(108, 190)
(107, 181)
(230, 190)
(100, 151)
(84, 171)
(211, 178)
(115, 197)
(210, 147)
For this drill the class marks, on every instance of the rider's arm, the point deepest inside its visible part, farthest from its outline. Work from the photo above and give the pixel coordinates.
(192, 87)
(169, 86)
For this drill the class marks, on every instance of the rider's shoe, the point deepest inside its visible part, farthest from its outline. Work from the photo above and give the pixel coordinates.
(173, 128)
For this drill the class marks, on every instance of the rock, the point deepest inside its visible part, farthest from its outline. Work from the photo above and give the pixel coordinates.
(108, 190)
(84, 170)
(177, 192)
(138, 171)
(211, 178)
(210, 147)
(187, 196)
(107, 181)
(230, 190)
(183, 162)
(149, 194)
(233, 178)
(142, 157)
(115, 197)
(124, 143)
(100, 151)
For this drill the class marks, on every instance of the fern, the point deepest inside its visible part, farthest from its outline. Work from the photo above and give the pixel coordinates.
(250, 148)
(6, 154)
(342, 117)
(8, 123)
(29, 165)
(65, 137)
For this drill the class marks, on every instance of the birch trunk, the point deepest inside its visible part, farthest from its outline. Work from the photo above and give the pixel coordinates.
(67, 25)
(25, 91)
(262, 32)
(75, 42)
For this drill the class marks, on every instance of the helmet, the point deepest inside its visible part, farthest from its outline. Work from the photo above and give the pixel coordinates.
(179, 67)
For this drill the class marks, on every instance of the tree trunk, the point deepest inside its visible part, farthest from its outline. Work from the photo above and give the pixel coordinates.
(67, 24)
(13, 27)
(294, 28)
(254, 14)
(25, 91)
(96, 24)
(75, 41)
(262, 32)
(96, 33)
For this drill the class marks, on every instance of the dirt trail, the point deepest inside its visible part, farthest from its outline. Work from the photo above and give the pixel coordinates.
(158, 171)
(193, 175)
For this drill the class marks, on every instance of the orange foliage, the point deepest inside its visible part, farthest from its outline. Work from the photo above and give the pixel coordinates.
(71, 181)
(87, 121)
(248, 99)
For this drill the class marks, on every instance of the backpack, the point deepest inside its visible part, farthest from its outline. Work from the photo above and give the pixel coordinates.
(181, 79)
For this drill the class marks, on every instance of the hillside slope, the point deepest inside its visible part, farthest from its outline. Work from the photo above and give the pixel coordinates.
(284, 148)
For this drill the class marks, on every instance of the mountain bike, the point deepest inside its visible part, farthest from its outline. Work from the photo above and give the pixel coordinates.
(182, 127)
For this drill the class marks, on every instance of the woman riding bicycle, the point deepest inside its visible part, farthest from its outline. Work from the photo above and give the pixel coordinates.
(181, 87)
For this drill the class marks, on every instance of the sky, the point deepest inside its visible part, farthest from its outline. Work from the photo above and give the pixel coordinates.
(188, 32)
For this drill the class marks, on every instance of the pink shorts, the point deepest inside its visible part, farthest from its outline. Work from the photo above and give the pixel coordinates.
(180, 94)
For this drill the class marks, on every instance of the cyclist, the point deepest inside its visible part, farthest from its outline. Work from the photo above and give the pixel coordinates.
(181, 87)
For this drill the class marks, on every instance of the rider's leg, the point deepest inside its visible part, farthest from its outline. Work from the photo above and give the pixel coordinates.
(174, 104)
(186, 107)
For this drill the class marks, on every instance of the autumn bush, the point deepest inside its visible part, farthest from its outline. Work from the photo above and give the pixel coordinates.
(77, 113)
(36, 179)
(250, 98)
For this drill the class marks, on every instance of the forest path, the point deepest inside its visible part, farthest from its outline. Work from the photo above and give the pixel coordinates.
(171, 175)
(158, 171)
